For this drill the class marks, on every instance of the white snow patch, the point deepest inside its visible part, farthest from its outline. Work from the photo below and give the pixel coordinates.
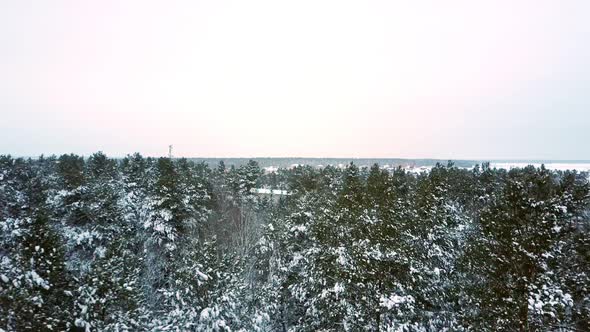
(298, 229)
(342, 257)
(338, 288)
(205, 314)
(202, 276)
(38, 280)
(394, 301)
(266, 191)
(271, 169)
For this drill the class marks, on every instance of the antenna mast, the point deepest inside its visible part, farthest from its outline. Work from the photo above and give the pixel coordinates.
(170, 151)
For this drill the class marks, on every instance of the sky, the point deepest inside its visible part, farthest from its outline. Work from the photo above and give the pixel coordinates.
(409, 79)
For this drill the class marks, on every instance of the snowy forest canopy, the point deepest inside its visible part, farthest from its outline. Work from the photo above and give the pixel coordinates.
(144, 244)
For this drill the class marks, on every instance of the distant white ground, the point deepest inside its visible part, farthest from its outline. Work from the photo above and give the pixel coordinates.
(582, 167)
(271, 169)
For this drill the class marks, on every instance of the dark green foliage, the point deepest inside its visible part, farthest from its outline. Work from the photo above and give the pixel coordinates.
(71, 169)
(39, 296)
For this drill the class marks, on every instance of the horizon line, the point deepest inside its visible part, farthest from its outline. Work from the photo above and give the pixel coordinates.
(336, 158)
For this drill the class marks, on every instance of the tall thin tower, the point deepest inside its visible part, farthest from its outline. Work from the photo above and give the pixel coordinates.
(170, 151)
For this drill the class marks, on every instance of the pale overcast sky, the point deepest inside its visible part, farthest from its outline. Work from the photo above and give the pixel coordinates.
(441, 79)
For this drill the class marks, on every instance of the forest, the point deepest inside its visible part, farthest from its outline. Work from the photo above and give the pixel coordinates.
(168, 244)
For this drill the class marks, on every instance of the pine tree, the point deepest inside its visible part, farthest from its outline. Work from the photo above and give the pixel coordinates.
(43, 292)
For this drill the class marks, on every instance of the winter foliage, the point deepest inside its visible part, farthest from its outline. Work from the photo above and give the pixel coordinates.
(144, 244)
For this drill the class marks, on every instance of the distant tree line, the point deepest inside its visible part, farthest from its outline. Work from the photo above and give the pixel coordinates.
(159, 244)
(288, 162)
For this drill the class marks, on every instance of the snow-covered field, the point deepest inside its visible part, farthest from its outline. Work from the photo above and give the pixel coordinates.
(579, 166)
(582, 167)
